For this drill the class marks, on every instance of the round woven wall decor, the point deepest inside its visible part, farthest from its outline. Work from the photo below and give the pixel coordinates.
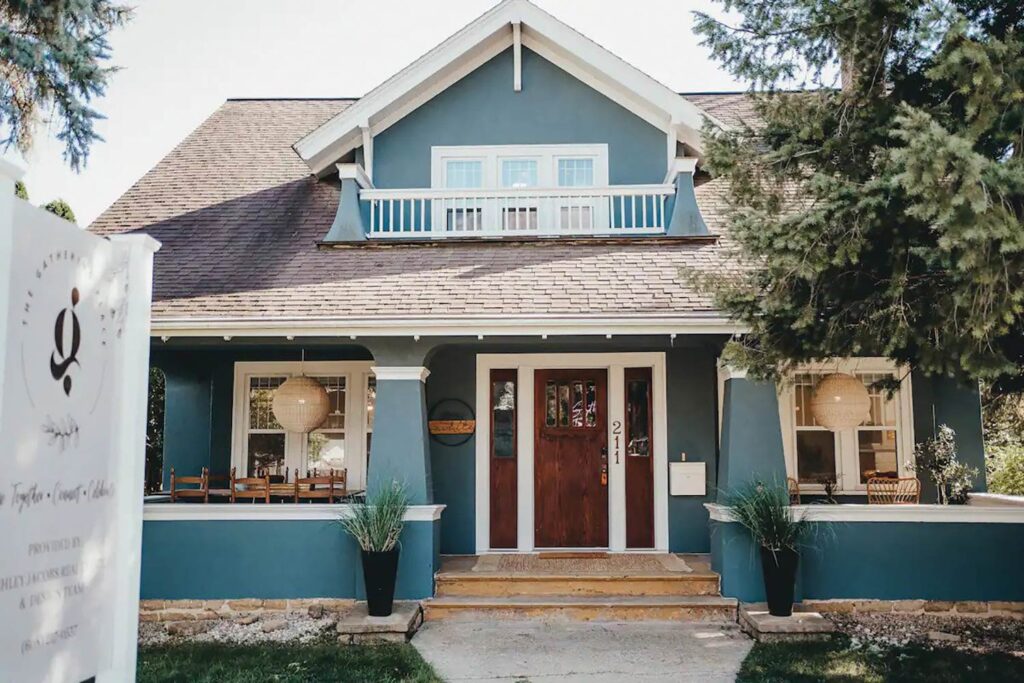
(840, 401)
(301, 404)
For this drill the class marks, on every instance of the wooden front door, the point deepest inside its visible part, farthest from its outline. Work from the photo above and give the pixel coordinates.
(571, 459)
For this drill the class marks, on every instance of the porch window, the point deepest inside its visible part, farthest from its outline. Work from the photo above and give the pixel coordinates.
(265, 440)
(341, 442)
(881, 446)
(325, 446)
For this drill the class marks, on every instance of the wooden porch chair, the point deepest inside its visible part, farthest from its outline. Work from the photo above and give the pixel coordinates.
(321, 487)
(889, 491)
(202, 482)
(219, 485)
(794, 490)
(250, 488)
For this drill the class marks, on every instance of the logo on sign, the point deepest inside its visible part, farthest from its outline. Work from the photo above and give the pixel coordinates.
(59, 362)
(73, 308)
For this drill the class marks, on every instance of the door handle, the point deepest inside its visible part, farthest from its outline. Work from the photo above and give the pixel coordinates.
(604, 475)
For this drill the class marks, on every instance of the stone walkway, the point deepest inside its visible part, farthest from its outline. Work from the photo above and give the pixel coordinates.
(538, 651)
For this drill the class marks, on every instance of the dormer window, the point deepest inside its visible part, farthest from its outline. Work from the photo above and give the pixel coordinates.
(519, 166)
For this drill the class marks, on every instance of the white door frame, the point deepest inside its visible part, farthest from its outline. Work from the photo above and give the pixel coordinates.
(525, 364)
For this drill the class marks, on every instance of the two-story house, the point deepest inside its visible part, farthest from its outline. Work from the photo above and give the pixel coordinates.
(484, 263)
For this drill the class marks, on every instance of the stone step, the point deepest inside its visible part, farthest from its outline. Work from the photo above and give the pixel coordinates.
(498, 585)
(583, 608)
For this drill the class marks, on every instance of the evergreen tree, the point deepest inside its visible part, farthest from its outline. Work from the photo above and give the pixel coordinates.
(52, 64)
(59, 207)
(879, 208)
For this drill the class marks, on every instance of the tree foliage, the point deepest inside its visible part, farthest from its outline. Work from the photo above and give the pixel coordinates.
(882, 217)
(20, 191)
(59, 207)
(53, 62)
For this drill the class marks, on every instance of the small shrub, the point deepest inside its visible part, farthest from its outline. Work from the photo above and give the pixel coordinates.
(764, 511)
(1006, 470)
(937, 457)
(377, 523)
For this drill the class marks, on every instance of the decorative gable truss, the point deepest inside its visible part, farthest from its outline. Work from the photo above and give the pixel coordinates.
(510, 24)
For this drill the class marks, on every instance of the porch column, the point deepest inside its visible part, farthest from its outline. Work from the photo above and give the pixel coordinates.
(751, 441)
(401, 450)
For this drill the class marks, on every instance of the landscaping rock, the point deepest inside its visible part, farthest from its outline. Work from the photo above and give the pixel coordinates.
(315, 611)
(943, 637)
(187, 628)
(274, 625)
(247, 619)
(973, 633)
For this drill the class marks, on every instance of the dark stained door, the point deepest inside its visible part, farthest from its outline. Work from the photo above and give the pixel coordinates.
(639, 459)
(570, 459)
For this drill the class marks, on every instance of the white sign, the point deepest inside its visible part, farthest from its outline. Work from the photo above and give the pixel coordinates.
(67, 425)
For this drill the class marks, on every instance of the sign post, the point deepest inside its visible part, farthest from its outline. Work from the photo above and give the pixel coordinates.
(74, 355)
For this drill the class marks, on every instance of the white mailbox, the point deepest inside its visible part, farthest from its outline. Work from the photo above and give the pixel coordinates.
(687, 479)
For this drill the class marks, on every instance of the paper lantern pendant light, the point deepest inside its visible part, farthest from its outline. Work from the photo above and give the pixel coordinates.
(301, 404)
(840, 401)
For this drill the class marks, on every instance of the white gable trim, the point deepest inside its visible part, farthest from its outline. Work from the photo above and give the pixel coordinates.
(479, 42)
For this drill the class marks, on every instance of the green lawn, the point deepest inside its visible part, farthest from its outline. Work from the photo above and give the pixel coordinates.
(835, 662)
(209, 663)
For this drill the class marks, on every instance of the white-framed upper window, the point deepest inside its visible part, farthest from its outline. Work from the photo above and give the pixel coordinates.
(882, 445)
(549, 169)
(342, 441)
(519, 166)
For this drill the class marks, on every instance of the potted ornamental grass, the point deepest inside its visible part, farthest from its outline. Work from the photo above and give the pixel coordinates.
(764, 511)
(376, 524)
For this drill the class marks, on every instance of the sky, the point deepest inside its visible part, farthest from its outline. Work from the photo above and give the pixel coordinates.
(180, 59)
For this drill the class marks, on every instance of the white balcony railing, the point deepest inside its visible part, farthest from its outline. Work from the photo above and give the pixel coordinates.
(434, 213)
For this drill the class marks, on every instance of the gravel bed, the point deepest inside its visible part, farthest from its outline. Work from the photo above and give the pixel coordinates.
(293, 629)
(988, 634)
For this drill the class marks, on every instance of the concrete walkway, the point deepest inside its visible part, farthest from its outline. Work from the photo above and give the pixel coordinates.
(537, 651)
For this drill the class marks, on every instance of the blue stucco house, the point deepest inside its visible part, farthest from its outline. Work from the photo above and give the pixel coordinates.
(484, 261)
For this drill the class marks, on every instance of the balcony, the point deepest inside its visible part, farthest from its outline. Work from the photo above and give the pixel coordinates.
(532, 212)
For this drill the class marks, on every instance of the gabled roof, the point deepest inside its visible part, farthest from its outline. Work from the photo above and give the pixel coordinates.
(485, 38)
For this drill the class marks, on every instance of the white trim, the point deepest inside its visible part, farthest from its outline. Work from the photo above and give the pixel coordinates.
(846, 453)
(357, 173)
(238, 512)
(547, 157)
(355, 374)
(410, 372)
(472, 46)
(425, 326)
(517, 56)
(944, 514)
(994, 500)
(526, 364)
(367, 138)
(680, 166)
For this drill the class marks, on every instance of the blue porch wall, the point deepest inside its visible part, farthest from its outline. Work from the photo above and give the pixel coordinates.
(885, 561)
(938, 401)
(207, 559)
(691, 381)
(552, 108)
(199, 394)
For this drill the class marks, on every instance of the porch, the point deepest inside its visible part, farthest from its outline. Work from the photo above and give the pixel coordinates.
(653, 427)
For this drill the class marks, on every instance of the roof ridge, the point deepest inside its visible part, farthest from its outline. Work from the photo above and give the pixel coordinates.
(291, 99)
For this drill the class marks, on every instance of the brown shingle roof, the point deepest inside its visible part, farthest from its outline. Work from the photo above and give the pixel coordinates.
(239, 216)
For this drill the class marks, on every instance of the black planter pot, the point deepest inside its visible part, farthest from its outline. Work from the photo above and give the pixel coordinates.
(380, 569)
(779, 570)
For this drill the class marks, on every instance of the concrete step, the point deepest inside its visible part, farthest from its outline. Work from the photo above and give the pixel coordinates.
(583, 608)
(499, 585)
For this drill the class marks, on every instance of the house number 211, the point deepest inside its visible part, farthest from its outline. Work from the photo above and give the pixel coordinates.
(616, 432)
